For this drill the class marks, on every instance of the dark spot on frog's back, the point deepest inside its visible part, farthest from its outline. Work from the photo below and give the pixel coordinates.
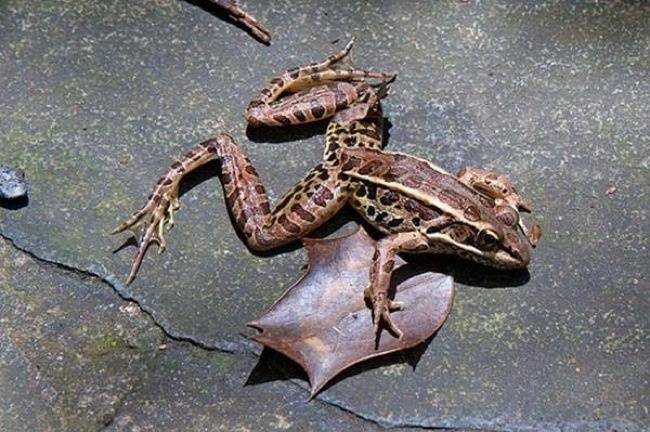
(395, 223)
(372, 191)
(318, 111)
(302, 213)
(350, 163)
(300, 115)
(472, 213)
(389, 198)
(288, 225)
(370, 167)
(322, 196)
(397, 172)
(417, 208)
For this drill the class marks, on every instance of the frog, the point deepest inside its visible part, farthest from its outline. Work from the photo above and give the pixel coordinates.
(417, 206)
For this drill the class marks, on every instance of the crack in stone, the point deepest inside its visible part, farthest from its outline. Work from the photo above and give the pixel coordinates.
(244, 348)
(225, 347)
(383, 424)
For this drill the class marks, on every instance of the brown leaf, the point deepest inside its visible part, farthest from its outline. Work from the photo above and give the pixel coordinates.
(323, 323)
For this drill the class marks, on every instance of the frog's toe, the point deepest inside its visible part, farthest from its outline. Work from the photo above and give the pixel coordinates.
(385, 316)
(149, 225)
(381, 312)
(152, 232)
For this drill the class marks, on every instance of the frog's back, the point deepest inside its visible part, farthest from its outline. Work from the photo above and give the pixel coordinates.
(397, 192)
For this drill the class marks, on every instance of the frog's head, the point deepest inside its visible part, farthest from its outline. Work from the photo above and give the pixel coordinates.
(12, 183)
(506, 243)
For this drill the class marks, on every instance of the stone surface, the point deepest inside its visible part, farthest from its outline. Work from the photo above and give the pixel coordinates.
(71, 349)
(75, 356)
(96, 98)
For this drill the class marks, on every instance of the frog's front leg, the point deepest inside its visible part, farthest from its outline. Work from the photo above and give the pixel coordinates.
(380, 274)
(310, 203)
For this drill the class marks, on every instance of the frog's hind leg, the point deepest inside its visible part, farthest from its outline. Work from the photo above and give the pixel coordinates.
(310, 203)
(306, 106)
(281, 82)
(263, 109)
(157, 215)
(380, 275)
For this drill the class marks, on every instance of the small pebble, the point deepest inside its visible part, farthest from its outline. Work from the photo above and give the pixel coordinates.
(12, 183)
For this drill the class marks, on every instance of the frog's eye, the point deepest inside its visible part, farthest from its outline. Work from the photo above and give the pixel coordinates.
(488, 240)
(507, 215)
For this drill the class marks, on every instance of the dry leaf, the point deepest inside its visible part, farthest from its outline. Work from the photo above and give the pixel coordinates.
(323, 323)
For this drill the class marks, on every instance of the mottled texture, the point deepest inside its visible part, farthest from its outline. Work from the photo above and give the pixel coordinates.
(96, 98)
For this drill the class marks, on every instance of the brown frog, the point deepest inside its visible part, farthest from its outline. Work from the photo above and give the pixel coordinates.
(417, 205)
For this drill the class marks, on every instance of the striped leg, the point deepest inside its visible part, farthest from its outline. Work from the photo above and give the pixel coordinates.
(264, 110)
(279, 83)
(316, 96)
(239, 15)
(157, 215)
(306, 106)
(380, 273)
(309, 204)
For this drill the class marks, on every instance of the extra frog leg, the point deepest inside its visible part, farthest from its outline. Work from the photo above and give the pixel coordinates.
(309, 204)
(380, 274)
(239, 15)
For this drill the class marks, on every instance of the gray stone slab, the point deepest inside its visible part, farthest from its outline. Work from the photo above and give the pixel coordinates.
(96, 98)
(191, 389)
(70, 348)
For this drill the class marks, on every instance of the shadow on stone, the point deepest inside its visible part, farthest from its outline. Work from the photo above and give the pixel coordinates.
(470, 273)
(274, 366)
(276, 135)
(131, 241)
(14, 204)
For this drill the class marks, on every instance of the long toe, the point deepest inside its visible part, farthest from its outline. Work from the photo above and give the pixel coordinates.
(391, 325)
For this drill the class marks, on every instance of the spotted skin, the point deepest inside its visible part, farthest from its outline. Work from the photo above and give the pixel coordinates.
(419, 206)
(509, 203)
(318, 92)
